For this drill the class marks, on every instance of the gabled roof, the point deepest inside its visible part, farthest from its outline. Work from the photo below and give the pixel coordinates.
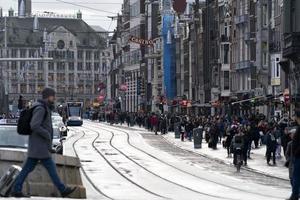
(20, 31)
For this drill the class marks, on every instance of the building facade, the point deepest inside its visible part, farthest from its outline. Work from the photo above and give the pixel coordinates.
(78, 58)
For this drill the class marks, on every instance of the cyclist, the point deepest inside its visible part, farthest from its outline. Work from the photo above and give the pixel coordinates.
(237, 146)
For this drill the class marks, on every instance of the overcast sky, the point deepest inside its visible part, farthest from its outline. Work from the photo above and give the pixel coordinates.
(96, 14)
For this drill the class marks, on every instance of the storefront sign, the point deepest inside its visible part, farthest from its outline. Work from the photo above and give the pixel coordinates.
(141, 41)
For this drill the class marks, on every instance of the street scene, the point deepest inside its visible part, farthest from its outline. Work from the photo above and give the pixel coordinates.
(150, 99)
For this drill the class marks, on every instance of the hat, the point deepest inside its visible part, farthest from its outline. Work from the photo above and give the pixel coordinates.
(48, 92)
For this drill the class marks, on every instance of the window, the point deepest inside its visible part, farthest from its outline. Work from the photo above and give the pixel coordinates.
(80, 55)
(22, 65)
(31, 53)
(23, 88)
(88, 55)
(226, 53)
(80, 66)
(96, 55)
(41, 87)
(88, 66)
(96, 77)
(23, 53)
(51, 77)
(60, 77)
(60, 66)
(13, 65)
(13, 75)
(14, 53)
(14, 88)
(40, 65)
(71, 66)
(96, 67)
(226, 80)
(40, 76)
(50, 66)
(276, 68)
(264, 58)
(135, 9)
(70, 54)
(80, 88)
(264, 15)
(71, 77)
(31, 88)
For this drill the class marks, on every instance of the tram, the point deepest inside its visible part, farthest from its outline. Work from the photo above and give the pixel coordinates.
(74, 113)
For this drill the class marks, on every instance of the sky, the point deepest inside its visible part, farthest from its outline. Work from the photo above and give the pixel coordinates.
(94, 12)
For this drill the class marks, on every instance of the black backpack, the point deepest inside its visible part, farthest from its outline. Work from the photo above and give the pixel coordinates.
(24, 120)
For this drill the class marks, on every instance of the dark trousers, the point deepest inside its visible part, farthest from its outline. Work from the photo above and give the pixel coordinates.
(29, 166)
(296, 178)
(271, 154)
(182, 136)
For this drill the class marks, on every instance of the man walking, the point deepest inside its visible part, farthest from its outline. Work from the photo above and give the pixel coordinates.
(40, 145)
(271, 146)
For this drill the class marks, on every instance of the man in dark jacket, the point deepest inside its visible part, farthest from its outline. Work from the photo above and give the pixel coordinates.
(271, 146)
(40, 145)
(296, 161)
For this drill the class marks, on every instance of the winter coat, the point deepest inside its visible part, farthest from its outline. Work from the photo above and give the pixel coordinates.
(296, 144)
(40, 141)
(271, 142)
(154, 121)
(289, 159)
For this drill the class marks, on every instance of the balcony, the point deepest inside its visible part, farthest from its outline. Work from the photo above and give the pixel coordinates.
(291, 47)
(243, 65)
(241, 19)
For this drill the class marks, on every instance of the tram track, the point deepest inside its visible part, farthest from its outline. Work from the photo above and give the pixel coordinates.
(117, 170)
(83, 170)
(174, 167)
(154, 174)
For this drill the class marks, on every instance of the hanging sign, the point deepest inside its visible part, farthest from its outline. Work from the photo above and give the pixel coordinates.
(141, 41)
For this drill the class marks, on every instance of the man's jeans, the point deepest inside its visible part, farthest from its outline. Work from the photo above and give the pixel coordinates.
(29, 166)
(296, 177)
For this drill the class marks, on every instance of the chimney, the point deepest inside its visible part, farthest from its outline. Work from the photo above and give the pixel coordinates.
(79, 15)
(36, 24)
(1, 12)
(11, 12)
(21, 9)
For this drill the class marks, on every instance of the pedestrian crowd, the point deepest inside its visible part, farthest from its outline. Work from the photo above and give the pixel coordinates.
(238, 135)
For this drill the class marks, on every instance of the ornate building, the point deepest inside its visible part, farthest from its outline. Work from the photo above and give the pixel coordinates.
(79, 59)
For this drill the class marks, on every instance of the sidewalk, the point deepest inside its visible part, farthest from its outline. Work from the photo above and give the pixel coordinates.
(256, 163)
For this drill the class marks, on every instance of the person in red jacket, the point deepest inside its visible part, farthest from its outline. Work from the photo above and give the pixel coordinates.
(154, 123)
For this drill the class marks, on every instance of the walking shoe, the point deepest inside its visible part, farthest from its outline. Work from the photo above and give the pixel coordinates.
(68, 191)
(19, 195)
